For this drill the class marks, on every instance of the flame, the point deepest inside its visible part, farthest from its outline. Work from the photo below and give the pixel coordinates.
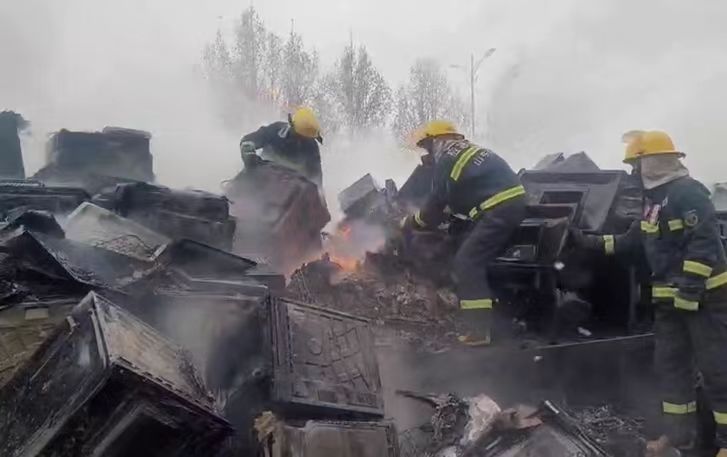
(340, 247)
(347, 264)
(345, 232)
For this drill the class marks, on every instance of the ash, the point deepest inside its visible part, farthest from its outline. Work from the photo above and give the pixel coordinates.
(618, 433)
(384, 290)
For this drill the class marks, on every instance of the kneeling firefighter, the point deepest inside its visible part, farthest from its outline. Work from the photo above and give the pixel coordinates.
(680, 238)
(479, 184)
(293, 144)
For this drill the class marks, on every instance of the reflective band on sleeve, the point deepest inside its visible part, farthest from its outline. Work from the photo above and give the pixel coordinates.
(462, 161)
(717, 281)
(663, 292)
(720, 418)
(609, 244)
(697, 268)
(649, 228)
(687, 305)
(418, 219)
(496, 199)
(485, 303)
(677, 408)
(676, 224)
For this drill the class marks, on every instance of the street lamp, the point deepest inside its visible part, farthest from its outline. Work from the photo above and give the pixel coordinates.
(473, 69)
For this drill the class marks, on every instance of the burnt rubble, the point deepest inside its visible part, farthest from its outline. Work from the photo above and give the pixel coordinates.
(544, 286)
(11, 156)
(139, 319)
(280, 215)
(190, 214)
(104, 383)
(477, 427)
(96, 160)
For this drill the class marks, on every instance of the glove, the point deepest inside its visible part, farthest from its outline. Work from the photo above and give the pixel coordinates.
(247, 147)
(407, 224)
(582, 241)
(251, 160)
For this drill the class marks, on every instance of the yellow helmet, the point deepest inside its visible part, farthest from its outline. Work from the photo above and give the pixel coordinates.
(305, 123)
(433, 129)
(641, 143)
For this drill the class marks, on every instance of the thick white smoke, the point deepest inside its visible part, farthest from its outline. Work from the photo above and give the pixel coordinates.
(599, 69)
(566, 76)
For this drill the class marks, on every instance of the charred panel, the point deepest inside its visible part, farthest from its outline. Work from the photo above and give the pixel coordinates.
(324, 360)
(100, 382)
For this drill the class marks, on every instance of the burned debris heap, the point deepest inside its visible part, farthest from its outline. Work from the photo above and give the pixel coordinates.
(142, 320)
(11, 157)
(123, 332)
(280, 215)
(545, 288)
(95, 160)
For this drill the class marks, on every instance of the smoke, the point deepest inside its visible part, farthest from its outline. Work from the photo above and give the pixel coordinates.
(566, 76)
(85, 64)
(346, 160)
(593, 72)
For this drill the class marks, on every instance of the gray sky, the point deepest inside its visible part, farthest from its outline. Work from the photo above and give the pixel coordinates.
(568, 75)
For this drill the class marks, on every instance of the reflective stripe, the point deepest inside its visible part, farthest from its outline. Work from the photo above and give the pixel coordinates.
(687, 305)
(485, 303)
(462, 160)
(418, 219)
(720, 418)
(676, 224)
(697, 268)
(717, 281)
(663, 292)
(609, 244)
(676, 408)
(496, 199)
(649, 228)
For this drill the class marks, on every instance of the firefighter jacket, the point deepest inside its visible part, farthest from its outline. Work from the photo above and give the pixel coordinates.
(680, 237)
(282, 145)
(469, 180)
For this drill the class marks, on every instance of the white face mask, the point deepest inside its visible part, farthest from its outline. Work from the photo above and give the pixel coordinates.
(660, 169)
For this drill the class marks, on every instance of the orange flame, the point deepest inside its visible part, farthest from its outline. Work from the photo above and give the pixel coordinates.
(339, 247)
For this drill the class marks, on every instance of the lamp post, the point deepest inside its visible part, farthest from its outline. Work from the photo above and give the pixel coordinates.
(474, 67)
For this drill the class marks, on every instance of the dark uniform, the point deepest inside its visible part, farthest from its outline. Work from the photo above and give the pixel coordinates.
(479, 184)
(680, 237)
(282, 145)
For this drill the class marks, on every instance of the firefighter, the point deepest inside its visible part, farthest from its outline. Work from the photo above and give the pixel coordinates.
(293, 144)
(680, 238)
(478, 184)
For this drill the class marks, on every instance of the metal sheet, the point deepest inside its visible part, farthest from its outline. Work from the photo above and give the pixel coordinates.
(324, 360)
(99, 381)
(337, 439)
(99, 227)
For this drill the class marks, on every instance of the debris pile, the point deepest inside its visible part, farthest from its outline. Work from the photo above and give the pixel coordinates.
(382, 289)
(543, 285)
(104, 383)
(101, 293)
(280, 215)
(621, 435)
(477, 427)
(191, 214)
(96, 160)
(11, 156)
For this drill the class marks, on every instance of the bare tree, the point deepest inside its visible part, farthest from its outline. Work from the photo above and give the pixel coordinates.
(273, 69)
(299, 74)
(217, 61)
(249, 52)
(361, 92)
(324, 103)
(426, 96)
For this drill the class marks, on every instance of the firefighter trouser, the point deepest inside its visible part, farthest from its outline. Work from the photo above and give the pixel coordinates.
(487, 240)
(686, 340)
